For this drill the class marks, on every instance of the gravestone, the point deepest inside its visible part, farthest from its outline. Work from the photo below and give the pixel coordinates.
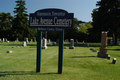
(108, 57)
(44, 43)
(76, 41)
(34, 39)
(24, 44)
(3, 40)
(71, 44)
(26, 40)
(67, 40)
(48, 40)
(0, 39)
(31, 40)
(83, 41)
(51, 43)
(8, 51)
(103, 49)
(114, 61)
(17, 39)
(88, 45)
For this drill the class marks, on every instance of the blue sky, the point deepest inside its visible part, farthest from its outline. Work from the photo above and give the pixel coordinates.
(82, 9)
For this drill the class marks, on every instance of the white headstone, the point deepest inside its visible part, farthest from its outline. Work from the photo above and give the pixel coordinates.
(9, 51)
(83, 41)
(44, 43)
(48, 40)
(31, 40)
(34, 39)
(17, 39)
(26, 40)
(3, 40)
(71, 44)
(24, 43)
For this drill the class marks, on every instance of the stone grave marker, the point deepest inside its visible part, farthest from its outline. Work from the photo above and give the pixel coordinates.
(83, 42)
(108, 57)
(34, 39)
(71, 44)
(76, 41)
(24, 43)
(17, 39)
(44, 43)
(3, 40)
(103, 49)
(114, 61)
(31, 40)
(8, 51)
(49, 41)
(26, 40)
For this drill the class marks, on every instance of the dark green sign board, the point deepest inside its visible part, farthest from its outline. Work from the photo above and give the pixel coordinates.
(50, 20)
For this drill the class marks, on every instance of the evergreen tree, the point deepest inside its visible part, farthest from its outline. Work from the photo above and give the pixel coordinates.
(5, 25)
(20, 27)
(107, 17)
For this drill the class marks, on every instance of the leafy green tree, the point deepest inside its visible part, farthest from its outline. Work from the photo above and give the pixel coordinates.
(107, 17)
(20, 27)
(84, 27)
(5, 24)
(73, 33)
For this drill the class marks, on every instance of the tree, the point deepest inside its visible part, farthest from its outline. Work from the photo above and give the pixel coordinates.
(20, 27)
(73, 33)
(84, 27)
(5, 24)
(107, 17)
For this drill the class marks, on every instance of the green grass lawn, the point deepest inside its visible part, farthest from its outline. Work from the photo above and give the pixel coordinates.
(78, 64)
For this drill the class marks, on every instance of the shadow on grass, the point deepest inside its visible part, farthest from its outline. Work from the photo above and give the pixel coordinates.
(11, 44)
(83, 56)
(114, 49)
(5, 73)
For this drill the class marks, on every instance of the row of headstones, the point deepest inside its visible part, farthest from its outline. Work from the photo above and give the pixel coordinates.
(4, 40)
(44, 43)
(26, 39)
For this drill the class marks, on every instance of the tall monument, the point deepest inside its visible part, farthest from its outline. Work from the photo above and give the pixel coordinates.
(103, 49)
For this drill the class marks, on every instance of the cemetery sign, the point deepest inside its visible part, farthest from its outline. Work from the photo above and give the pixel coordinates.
(51, 19)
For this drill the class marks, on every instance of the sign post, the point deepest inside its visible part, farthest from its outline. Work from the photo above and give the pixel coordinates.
(39, 50)
(61, 47)
(50, 20)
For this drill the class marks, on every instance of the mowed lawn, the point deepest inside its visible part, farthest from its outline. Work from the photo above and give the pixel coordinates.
(78, 64)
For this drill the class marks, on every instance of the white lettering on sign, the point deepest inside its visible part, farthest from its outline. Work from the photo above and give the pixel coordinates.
(43, 14)
(46, 21)
(58, 13)
(50, 22)
(62, 21)
(34, 21)
(51, 13)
